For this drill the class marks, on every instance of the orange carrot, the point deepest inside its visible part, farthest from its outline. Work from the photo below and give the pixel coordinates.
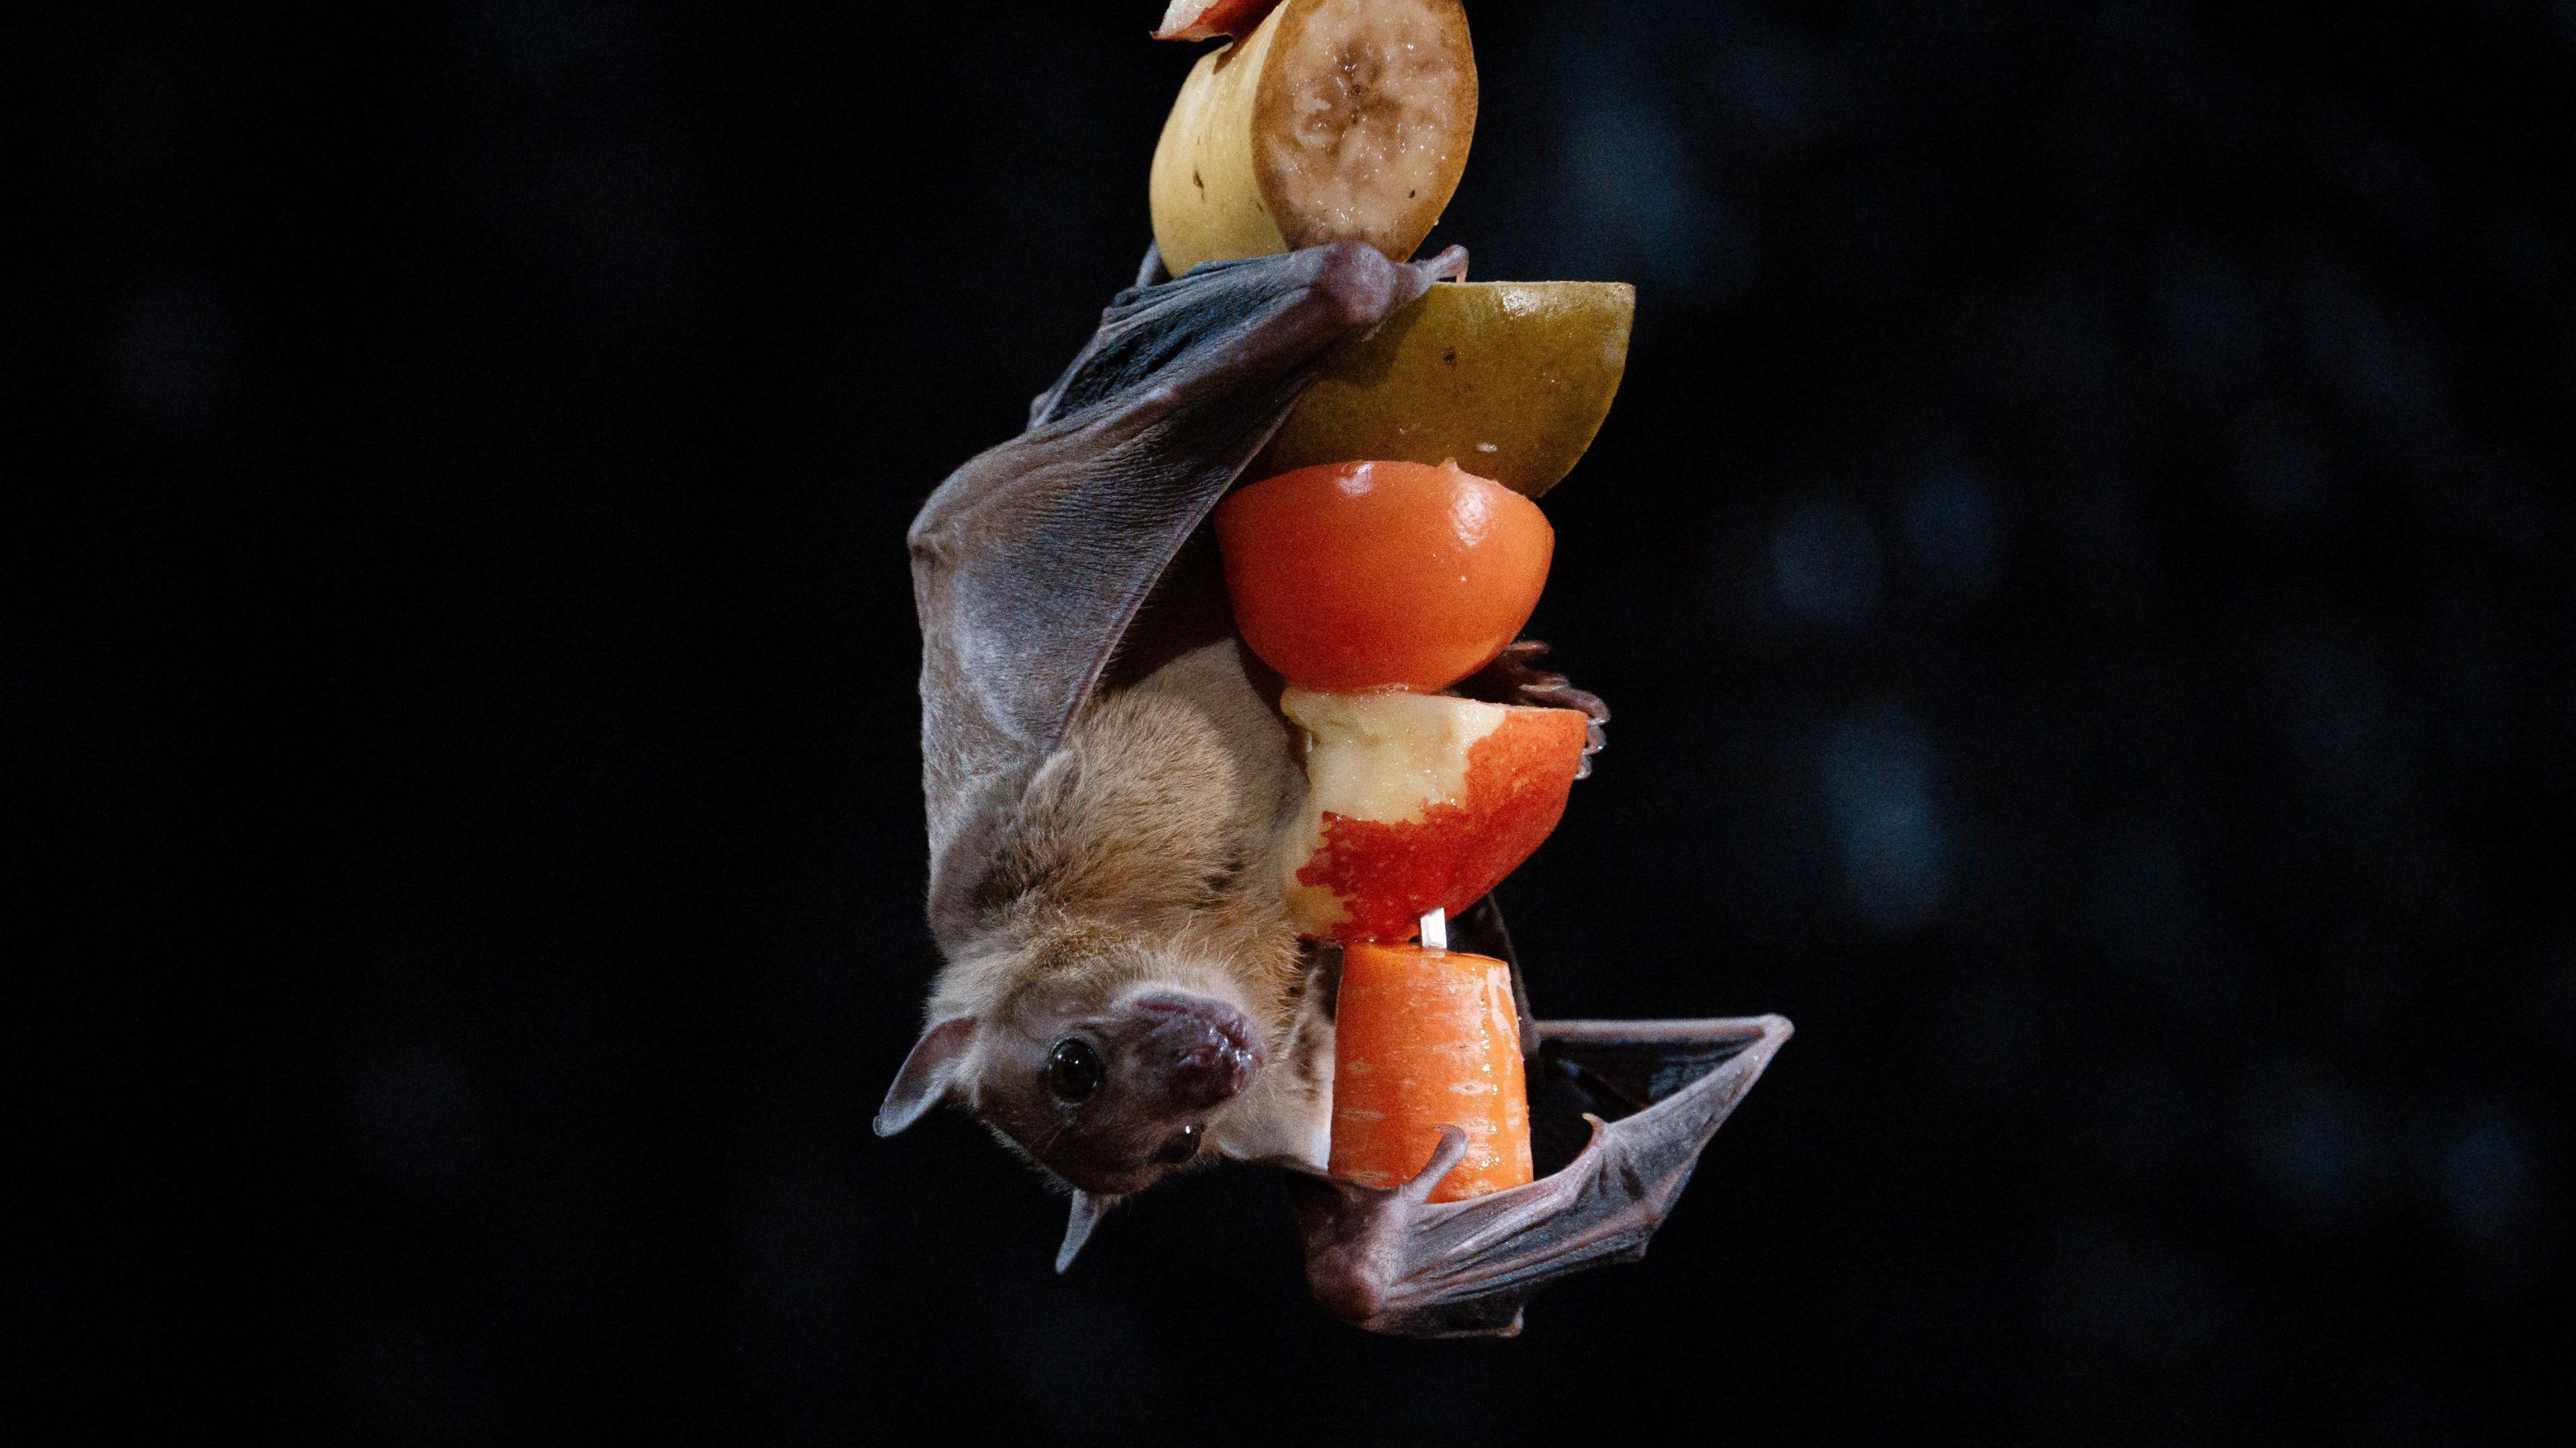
(1425, 1039)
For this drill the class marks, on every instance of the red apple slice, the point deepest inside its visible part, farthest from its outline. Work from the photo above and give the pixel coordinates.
(1208, 19)
(1417, 802)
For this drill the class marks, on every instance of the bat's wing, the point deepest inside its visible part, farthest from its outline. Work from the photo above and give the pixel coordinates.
(1030, 562)
(1390, 1260)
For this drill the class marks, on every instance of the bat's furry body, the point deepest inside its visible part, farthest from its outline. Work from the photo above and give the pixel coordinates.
(1122, 986)
(1144, 854)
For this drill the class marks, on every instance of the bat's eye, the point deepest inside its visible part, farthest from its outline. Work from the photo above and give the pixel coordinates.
(1073, 1070)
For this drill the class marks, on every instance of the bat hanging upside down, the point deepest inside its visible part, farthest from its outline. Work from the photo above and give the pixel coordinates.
(1107, 774)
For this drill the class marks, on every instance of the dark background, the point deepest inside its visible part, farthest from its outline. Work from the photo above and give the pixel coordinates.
(2081, 563)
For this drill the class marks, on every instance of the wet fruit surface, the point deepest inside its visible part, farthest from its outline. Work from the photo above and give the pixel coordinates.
(1362, 124)
(1381, 575)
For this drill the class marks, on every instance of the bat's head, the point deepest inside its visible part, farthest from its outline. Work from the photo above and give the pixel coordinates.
(1110, 1095)
(1111, 1100)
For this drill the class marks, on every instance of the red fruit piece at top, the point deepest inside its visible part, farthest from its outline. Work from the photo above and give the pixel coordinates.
(1208, 19)
(1381, 575)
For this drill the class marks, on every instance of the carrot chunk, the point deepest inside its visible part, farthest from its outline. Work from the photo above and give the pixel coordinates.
(1425, 1039)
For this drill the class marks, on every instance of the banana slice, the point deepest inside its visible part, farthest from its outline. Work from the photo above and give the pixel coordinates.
(1332, 120)
(1512, 379)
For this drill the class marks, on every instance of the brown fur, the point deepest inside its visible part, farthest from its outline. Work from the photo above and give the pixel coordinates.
(1142, 854)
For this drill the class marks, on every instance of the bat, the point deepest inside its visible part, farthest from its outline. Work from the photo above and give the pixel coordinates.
(1104, 772)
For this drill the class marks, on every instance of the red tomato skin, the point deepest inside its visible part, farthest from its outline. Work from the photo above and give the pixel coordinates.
(1381, 575)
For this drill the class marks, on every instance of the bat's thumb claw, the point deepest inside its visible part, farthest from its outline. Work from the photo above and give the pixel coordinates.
(1449, 265)
(1444, 1158)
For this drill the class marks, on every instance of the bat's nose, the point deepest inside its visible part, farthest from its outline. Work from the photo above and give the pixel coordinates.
(1211, 1072)
(1207, 1046)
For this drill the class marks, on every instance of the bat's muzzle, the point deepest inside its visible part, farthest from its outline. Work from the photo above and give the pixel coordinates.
(1208, 1050)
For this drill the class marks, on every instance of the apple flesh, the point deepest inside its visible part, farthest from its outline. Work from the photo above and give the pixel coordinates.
(1417, 802)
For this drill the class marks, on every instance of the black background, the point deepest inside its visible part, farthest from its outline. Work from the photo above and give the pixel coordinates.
(2081, 564)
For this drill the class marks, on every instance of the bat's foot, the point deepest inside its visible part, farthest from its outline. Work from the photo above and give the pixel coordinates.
(1363, 1255)
(1514, 677)
(1391, 1260)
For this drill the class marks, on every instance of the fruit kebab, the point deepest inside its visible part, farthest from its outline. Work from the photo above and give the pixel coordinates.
(1372, 587)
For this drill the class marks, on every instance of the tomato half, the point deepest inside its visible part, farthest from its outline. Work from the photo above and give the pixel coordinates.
(1381, 575)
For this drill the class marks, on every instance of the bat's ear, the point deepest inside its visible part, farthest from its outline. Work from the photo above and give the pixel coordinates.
(927, 1073)
(1087, 1212)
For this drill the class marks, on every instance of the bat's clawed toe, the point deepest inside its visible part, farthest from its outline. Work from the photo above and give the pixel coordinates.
(1444, 1159)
